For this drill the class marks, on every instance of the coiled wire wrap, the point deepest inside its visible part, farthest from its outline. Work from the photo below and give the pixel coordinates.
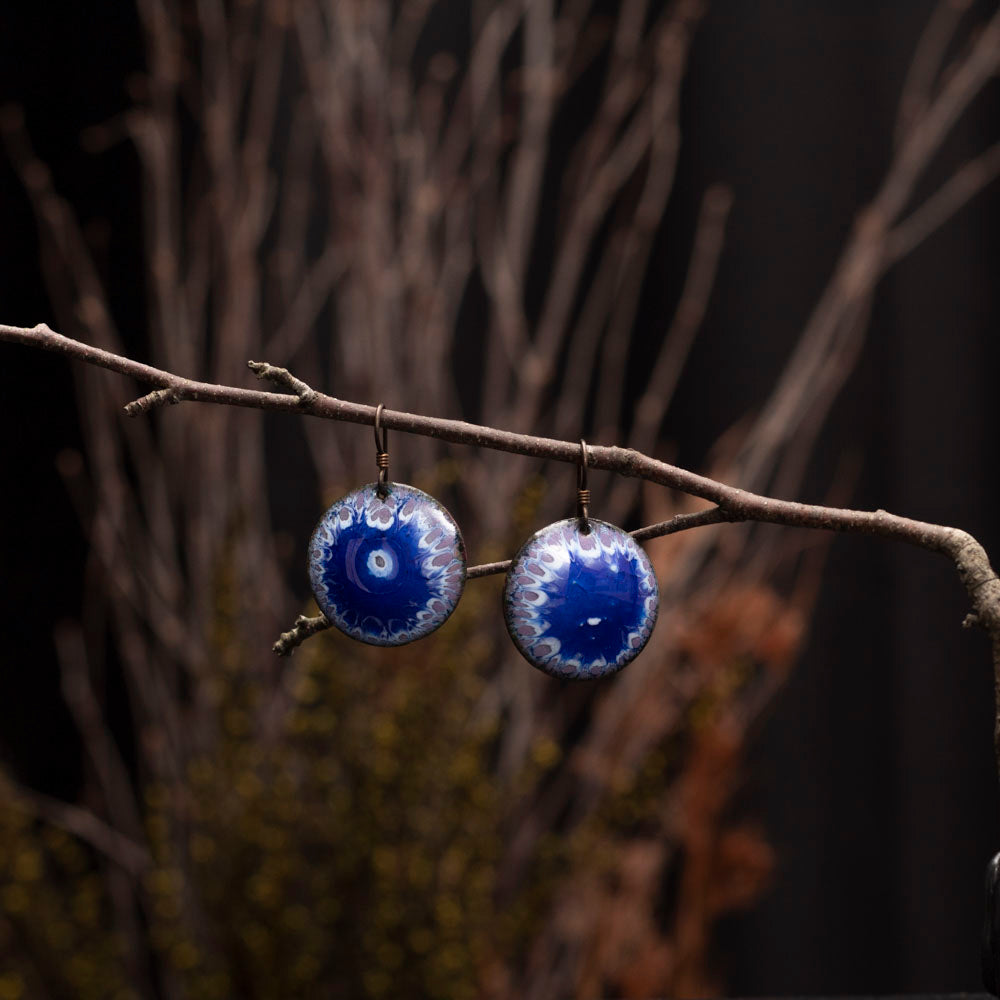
(582, 492)
(381, 453)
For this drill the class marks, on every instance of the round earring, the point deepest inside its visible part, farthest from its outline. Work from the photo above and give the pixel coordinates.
(387, 562)
(581, 597)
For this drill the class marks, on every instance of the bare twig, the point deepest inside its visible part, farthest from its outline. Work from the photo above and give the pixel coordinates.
(713, 515)
(969, 556)
(284, 378)
(926, 64)
(681, 522)
(625, 461)
(961, 187)
(304, 628)
(488, 569)
(153, 400)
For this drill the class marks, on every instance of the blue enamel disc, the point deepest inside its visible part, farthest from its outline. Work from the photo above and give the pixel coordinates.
(387, 571)
(578, 605)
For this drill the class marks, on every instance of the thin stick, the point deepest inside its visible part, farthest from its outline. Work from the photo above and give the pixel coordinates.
(714, 515)
(926, 64)
(304, 628)
(624, 461)
(969, 556)
(966, 182)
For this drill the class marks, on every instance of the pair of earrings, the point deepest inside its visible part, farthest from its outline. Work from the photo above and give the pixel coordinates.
(387, 566)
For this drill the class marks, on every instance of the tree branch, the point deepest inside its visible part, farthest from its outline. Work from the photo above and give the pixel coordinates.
(733, 504)
(304, 628)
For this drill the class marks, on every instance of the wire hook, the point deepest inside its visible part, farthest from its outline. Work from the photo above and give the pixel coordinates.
(582, 491)
(381, 453)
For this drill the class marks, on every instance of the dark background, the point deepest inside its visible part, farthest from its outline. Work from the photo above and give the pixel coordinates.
(874, 775)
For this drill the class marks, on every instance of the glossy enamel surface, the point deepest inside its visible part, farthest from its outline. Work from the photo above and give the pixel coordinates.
(387, 571)
(580, 605)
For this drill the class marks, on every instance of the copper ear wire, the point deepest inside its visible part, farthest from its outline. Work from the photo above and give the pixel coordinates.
(381, 453)
(582, 492)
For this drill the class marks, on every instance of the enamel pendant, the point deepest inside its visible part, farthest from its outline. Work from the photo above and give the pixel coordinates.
(581, 597)
(580, 605)
(387, 562)
(387, 571)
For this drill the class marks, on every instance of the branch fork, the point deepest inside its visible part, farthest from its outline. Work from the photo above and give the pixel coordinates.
(284, 379)
(153, 400)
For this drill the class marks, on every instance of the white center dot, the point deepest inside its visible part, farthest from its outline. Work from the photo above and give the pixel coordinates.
(593, 621)
(380, 563)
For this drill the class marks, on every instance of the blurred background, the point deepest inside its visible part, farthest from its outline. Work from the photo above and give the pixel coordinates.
(759, 240)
